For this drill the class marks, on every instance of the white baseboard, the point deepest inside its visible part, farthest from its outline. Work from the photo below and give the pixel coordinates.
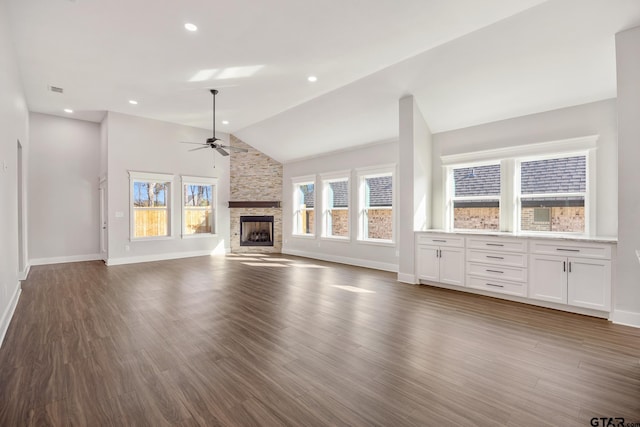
(376, 265)
(407, 278)
(534, 302)
(162, 257)
(22, 275)
(628, 318)
(8, 313)
(63, 259)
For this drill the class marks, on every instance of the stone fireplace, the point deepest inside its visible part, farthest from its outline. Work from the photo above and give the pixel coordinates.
(256, 191)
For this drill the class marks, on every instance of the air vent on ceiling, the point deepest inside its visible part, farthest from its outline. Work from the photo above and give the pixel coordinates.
(56, 89)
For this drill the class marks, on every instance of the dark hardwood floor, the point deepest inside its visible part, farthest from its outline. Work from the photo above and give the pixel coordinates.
(279, 340)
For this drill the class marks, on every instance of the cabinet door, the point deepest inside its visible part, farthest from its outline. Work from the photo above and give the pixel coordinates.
(589, 283)
(548, 278)
(427, 262)
(452, 266)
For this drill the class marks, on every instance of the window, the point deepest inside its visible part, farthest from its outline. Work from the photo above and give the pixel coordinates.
(553, 194)
(376, 217)
(475, 201)
(198, 201)
(150, 205)
(542, 187)
(304, 199)
(336, 207)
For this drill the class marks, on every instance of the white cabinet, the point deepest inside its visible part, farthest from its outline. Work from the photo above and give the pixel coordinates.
(589, 283)
(574, 280)
(548, 278)
(497, 265)
(571, 273)
(440, 259)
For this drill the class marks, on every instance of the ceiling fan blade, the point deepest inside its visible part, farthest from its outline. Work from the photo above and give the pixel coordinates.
(221, 151)
(195, 143)
(237, 149)
(199, 148)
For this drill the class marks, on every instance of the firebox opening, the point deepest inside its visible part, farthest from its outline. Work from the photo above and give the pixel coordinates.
(256, 231)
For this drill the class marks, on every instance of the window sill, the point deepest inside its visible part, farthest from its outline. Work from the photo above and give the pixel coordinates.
(387, 243)
(337, 239)
(150, 239)
(303, 236)
(198, 236)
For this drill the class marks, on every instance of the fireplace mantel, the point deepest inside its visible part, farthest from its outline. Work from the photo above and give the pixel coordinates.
(254, 204)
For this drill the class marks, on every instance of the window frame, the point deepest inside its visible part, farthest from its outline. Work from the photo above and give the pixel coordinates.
(151, 177)
(325, 180)
(373, 172)
(510, 185)
(197, 180)
(587, 194)
(451, 198)
(295, 186)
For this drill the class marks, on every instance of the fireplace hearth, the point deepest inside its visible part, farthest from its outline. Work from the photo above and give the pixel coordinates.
(256, 231)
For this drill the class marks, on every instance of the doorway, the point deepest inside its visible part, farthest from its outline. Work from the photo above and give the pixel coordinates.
(103, 219)
(21, 245)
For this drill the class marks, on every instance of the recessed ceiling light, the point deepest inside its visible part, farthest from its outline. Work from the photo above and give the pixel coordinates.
(133, 102)
(68, 110)
(225, 122)
(190, 27)
(312, 79)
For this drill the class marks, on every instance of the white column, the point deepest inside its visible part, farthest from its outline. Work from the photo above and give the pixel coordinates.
(627, 286)
(414, 184)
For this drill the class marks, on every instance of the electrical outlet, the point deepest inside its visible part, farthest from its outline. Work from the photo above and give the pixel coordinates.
(127, 248)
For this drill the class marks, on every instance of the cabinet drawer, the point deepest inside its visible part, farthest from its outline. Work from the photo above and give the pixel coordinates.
(440, 240)
(573, 249)
(497, 244)
(497, 272)
(497, 258)
(519, 289)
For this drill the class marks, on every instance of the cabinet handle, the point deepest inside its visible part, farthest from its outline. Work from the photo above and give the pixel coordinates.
(495, 271)
(569, 266)
(438, 240)
(567, 250)
(495, 257)
(494, 244)
(564, 265)
(496, 286)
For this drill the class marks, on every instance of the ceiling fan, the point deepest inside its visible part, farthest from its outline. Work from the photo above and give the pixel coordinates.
(213, 142)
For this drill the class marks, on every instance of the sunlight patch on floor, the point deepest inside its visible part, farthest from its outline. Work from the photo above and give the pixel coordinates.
(353, 289)
(264, 264)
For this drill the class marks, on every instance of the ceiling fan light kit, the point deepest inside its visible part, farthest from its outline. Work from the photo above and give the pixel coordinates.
(212, 142)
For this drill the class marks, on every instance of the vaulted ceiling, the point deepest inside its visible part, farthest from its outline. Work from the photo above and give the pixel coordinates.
(466, 62)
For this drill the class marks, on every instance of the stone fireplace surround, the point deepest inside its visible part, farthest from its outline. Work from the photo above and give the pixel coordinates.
(256, 190)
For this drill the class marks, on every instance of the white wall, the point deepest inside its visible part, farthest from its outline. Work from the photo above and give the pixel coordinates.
(13, 127)
(597, 118)
(627, 295)
(145, 145)
(64, 163)
(353, 251)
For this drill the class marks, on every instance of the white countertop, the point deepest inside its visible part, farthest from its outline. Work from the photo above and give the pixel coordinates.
(594, 239)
